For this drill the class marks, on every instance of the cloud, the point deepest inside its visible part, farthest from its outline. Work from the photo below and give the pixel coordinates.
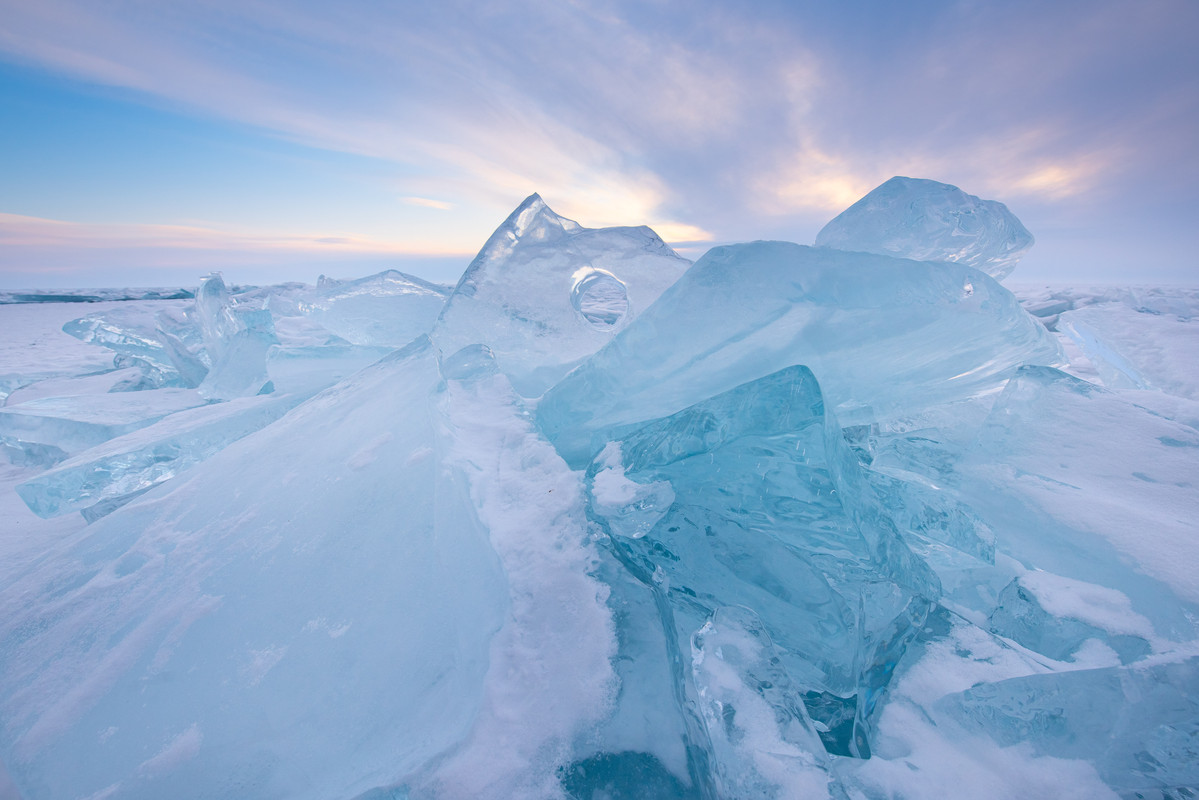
(425, 202)
(34, 232)
(709, 115)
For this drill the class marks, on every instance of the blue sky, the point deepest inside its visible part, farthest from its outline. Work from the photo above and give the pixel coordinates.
(146, 142)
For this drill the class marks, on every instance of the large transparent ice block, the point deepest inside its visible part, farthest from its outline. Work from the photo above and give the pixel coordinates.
(545, 292)
(389, 309)
(236, 341)
(752, 498)
(884, 336)
(930, 221)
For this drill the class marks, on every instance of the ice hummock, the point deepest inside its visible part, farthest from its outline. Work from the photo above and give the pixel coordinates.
(400, 588)
(883, 336)
(388, 309)
(929, 221)
(544, 292)
(752, 499)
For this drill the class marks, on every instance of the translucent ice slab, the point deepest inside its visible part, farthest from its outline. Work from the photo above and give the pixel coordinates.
(752, 498)
(929, 221)
(1139, 726)
(545, 292)
(236, 341)
(305, 370)
(133, 331)
(128, 465)
(109, 381)
(884, 336)
(73, 424)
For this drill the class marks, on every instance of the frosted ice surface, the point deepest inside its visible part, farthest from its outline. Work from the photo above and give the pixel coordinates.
(132, 463)
(1129, 492)
(259, 630)
(1139, 725)
(35, 347)
(308, 369)
(551, 678)
(769, 511)
(1139, 347)
(929, 221)
(883, 336)
(545, 292)
(114, 380)
(387, 309)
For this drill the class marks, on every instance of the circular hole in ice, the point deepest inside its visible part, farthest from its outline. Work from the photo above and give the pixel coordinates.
(599, 296)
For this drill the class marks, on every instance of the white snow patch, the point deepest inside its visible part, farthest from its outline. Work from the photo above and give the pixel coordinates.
(550, 669)
(1108, 609)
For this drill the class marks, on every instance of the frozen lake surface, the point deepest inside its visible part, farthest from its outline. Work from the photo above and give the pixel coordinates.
(597, 522)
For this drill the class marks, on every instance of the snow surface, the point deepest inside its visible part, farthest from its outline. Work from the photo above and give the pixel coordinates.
(790, 522)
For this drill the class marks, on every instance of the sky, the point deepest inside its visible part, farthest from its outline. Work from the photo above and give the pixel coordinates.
(146, 143)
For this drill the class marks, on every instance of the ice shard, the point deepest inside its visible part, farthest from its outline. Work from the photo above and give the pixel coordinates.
(545, 292)
(752, 498)
(74, 424)
(764, 744)
(133, 332)
(307, 614)
(1085, 612)
(883, 336)
(236, 341)
(113, 380)
(929, 221)
(130, 464)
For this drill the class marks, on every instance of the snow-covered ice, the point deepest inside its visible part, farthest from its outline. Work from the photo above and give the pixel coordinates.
(846, 521)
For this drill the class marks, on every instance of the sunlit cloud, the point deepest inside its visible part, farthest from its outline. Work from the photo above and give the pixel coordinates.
(811, 180)
(681, 232)
(425, 202)
(705, 122)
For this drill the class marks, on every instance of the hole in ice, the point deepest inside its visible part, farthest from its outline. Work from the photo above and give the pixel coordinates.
(599, 296)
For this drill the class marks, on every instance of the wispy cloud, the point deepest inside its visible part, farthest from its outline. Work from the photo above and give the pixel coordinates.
(23, 231)
(425, 202)
(709, 122)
